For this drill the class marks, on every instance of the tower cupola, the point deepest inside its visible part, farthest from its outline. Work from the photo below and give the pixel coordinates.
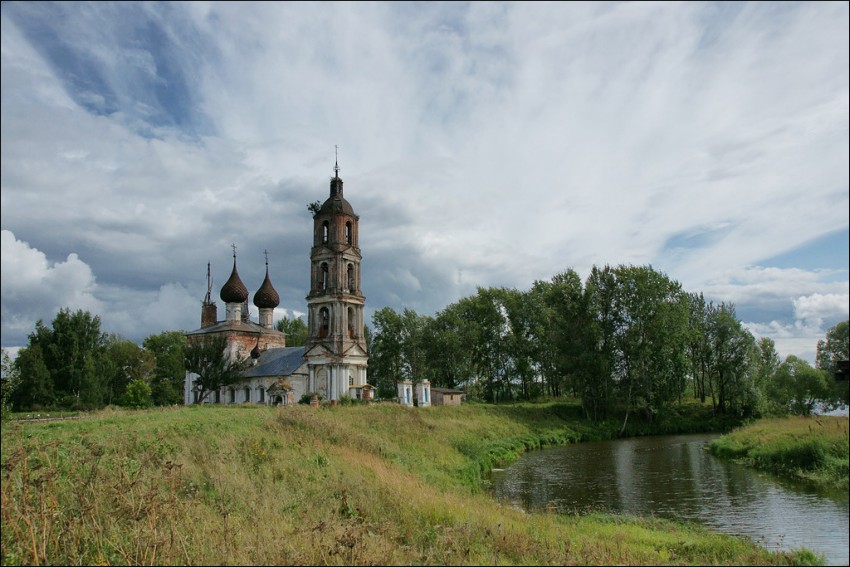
(266, 299)
(234, 293)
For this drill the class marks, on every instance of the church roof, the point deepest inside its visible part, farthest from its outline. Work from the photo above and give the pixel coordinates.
(234, 291)
(277, 362)
(266, 296)
(235, 326)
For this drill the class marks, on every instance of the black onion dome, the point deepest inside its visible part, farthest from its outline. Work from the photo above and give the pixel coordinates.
(266, 296)
(234, 291)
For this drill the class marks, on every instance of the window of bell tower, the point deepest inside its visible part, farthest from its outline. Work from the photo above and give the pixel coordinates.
(325, 232)
(351, 322)
(350, 278)
(348, 232)
(323, 280)
(324, 322)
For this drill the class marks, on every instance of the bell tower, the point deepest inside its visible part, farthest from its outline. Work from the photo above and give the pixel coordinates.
(336, 346)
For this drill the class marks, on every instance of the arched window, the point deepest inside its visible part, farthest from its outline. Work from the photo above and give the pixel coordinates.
(325, 232)
(232, 396)
(350, 380)
(247, 394)
(217, 396)
(350, 278)
(351, 323)
(262, 395)
(348, 232)
(323, 280)
(324, 322)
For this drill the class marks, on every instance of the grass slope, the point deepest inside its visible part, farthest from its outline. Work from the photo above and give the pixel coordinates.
(814, 449)
(377, 484)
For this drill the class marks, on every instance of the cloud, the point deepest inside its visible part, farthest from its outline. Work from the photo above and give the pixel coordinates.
(822, 307)
(482, 144)
(34, 288)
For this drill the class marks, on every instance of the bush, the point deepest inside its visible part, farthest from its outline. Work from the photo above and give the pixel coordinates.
(138, 395)
(305, 399)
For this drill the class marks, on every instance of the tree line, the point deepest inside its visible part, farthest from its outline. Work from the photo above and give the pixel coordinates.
(628, 338)
(73, 364)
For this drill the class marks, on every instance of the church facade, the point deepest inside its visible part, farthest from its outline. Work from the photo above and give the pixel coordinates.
(333, 362)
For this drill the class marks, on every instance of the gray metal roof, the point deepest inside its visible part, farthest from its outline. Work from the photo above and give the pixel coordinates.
(235, 326)
(277, 362)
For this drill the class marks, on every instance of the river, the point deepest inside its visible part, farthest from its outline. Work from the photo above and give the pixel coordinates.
(675, 477)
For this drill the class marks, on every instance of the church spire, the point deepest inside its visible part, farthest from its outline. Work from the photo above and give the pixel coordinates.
(336, 182)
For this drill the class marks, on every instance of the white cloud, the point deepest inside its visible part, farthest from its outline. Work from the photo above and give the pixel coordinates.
(504, 142)
(34, 288)
(818, 307)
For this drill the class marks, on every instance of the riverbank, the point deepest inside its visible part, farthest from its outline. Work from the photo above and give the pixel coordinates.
(813, 449)
(378, 484)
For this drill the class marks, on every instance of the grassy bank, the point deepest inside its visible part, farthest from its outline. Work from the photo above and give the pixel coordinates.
(814, 449)
(375, 484)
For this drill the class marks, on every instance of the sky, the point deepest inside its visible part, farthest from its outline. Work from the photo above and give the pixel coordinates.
(482, 144)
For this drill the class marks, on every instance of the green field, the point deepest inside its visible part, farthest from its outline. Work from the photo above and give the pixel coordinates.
(813, 449)
(379, 484)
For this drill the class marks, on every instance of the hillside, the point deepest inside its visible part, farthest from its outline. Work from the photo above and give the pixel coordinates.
(376, 484)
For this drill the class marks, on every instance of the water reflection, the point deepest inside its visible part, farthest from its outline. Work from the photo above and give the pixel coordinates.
(674, 477)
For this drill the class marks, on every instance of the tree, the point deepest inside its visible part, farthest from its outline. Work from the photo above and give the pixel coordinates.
(651, 314)
(446, 350)
(798, 387)
(385, 357)
(122, 363)
(137, 394)
(10, 378)
(35, 386)
(295, 329)
(169, 372)
(764, 366)
(730, 383)
(834, 348)
(207, 358)
(72, 349)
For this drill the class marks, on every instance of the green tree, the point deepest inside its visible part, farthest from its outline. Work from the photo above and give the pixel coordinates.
(447, 350)
(123, 362)
(832, 349)
(72, 349)
(730, 384)
(385, 361)
(35, 387)
(698, 351)
(10, 378)
(295, 329)
(137, 394)
(208, 360)
(651, 338)
(603, 327)
(169, 372)
(764, 366)
(798, 387)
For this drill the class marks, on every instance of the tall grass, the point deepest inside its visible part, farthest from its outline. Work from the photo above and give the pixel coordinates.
(354, 485)
(814, 449)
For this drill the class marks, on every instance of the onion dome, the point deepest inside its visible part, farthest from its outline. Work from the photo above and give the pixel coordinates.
(234, 291)
(266, 296)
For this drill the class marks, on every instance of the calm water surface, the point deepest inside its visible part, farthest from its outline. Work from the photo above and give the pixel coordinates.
(675, 477)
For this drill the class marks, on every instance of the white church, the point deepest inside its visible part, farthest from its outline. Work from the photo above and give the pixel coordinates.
(333, 361)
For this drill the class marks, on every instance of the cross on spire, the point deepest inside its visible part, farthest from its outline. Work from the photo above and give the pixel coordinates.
(266, 252)
(336, 160)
